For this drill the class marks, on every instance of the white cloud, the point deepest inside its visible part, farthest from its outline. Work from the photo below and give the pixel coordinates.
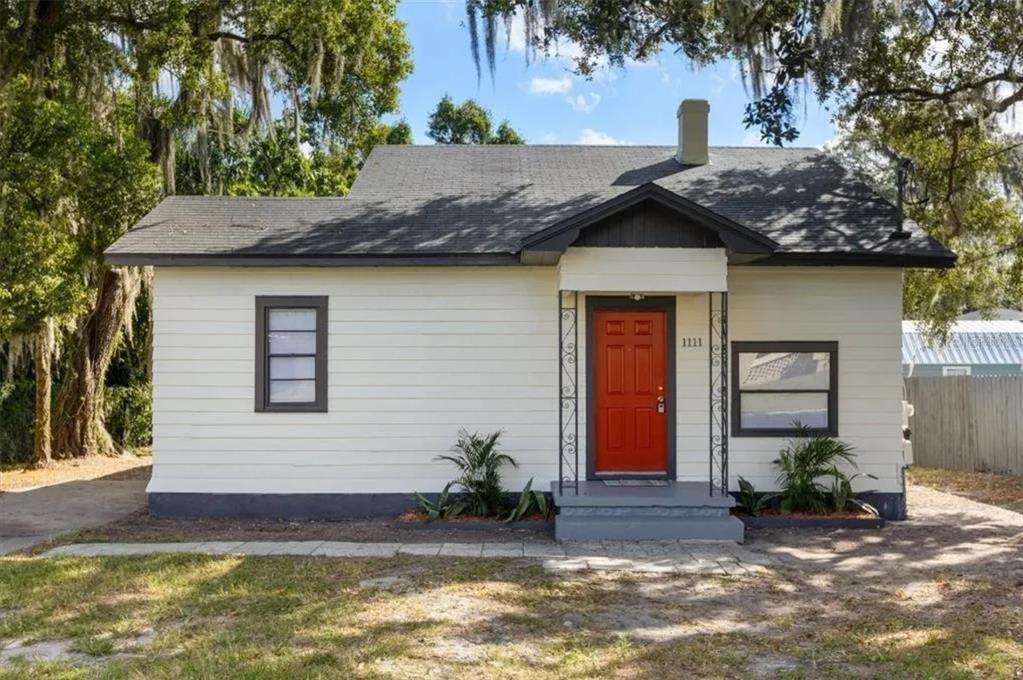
(752, 138)
(550, 85)
(583, 102)
(549, 138)
(596, 137)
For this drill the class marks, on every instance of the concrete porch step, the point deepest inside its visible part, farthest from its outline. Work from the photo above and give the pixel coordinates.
(645, 527)
(672, 511)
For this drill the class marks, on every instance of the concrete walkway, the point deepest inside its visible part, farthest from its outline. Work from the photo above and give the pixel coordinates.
(31, 516)
(714, 558)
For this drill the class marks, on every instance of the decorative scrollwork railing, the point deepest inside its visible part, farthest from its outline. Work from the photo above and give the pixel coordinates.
(568, 390)
(718, 361)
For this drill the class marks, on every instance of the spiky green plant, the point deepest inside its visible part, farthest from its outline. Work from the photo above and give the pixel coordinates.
(479, 460)
(529, 500)
(750, 501)
(803, 462)
(842, 495)
(445, 506)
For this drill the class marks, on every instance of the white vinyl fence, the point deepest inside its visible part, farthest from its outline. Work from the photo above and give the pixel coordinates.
(967, 423)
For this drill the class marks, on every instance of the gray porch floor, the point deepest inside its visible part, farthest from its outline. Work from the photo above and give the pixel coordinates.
(595, 493)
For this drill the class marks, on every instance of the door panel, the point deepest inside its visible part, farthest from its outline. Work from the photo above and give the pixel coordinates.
(630, 391)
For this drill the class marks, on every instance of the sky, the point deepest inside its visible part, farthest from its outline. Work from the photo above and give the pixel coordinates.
(547, 104)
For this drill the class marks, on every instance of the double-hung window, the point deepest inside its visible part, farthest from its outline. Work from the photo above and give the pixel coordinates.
(291, 353)
(779, 386)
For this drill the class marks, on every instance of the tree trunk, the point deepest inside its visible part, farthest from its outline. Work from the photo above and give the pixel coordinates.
(80, 429)
(42, 453)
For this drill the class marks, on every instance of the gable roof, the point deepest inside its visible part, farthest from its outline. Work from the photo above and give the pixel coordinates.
(482, 203)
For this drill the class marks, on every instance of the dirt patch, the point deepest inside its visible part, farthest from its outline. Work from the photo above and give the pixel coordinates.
(141, 527)
(91, 467)
(1004, 491)
(75, 651)
(773, 666)
(43, 651)
(386, 583)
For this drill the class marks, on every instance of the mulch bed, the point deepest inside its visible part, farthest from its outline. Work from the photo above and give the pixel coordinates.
(144, 528)
(846, 519)
(421, 521)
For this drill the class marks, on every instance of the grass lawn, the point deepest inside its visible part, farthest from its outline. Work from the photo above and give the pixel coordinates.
(278, 617)
(1005, 491)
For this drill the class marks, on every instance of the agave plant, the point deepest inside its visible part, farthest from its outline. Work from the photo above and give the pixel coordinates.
(444, 506)
(750, 501)
(529, 500)
(842, 495)
(479, 461)
(803, 462)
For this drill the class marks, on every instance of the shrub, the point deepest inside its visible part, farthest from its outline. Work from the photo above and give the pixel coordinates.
(17, 420)
(129, 415)
(479, 460)
(802, 463)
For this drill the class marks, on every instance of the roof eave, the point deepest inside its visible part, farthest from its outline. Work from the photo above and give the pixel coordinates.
(120, 259)
(861, 259)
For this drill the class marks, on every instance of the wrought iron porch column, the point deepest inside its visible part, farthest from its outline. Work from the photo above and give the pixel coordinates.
(718, 399)
(568, 390)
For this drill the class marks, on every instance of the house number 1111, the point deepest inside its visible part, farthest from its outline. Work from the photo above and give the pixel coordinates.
(692, 342)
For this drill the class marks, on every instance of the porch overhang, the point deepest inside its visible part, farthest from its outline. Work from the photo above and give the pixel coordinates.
(643, 270)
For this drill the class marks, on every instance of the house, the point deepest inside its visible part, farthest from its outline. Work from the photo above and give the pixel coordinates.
(973, 347)
(644, 323)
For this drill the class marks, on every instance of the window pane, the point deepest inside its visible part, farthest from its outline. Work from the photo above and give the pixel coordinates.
(292, 368)
(292, 391)
(292, 342)
(784, 370)
(774, 411)
(293, 319)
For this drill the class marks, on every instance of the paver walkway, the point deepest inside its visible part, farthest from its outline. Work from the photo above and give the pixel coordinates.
(31, 516)
(709, 557)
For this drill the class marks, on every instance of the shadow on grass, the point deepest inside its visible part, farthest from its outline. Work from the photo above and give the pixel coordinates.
(292, 617)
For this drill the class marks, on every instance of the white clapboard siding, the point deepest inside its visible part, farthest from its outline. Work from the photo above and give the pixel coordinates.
(643, 270)
(416, 353)
(861, 309)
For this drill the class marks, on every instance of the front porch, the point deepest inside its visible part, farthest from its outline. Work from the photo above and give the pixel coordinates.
(643, 355)
(594, 503)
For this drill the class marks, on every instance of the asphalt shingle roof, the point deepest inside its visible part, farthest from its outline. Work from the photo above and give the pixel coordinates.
(466, 200)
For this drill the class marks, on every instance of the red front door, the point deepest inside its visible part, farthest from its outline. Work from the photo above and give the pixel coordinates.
(630, 374)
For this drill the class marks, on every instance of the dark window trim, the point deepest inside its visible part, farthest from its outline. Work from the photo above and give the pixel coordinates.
(595, 303)
(785, 346)
(268, 302)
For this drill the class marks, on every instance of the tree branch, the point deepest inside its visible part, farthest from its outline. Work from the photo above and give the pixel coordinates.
(919, 94)
(281, 37)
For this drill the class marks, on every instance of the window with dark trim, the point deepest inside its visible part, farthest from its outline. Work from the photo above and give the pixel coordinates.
(776, 385)
(291, 353)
